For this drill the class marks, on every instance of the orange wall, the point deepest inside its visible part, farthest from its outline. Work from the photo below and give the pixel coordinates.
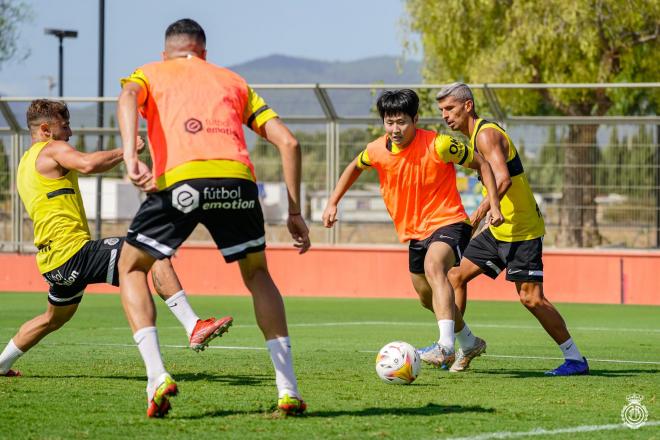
(611, 277)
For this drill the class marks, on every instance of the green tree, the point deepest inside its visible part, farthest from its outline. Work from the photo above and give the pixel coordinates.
(628, 164)
(12, 13)
(555, 41)
(643, 165)
(614, 164)
(268, 165)
(544, 173)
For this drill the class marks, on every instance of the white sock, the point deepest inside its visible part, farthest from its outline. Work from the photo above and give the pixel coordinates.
(280, 354)
(465, 338)
(9, 355)
(446, 333)
(570, 350)
(147, 341)
(179, 306)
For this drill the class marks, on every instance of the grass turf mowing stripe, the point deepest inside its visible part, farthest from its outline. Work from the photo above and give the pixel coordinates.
(472, 324)
(542, 431)
(232, 347)
(230, 392)
(503, 356)
(613, 361)
(413, 323)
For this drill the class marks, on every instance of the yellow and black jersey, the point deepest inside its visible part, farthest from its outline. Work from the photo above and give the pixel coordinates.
(522, 217)
(56, 209)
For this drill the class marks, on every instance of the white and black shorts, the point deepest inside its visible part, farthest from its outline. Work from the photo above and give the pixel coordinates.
(228, 208)
(522, 259)
(95, 262)
(456, 235)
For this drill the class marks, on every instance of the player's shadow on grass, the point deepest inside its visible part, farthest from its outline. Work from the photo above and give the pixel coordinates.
(531, 374)
(514, 374)
(229, 379)
(137, 377)
(622, 373)
(431, 409)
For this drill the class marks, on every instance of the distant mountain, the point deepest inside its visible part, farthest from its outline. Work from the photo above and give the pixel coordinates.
(282, 69)
(287, 69)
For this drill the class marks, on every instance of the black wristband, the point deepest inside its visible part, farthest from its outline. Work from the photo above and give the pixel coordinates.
(295, 213)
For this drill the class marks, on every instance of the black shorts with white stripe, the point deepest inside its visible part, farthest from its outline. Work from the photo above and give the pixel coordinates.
(229, 208)
(456, 235)
(96, 262)
(523, 260)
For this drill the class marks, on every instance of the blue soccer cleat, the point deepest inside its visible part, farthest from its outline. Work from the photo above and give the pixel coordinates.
(570, 367)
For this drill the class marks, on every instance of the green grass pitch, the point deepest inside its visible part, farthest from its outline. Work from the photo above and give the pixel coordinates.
(87, 381)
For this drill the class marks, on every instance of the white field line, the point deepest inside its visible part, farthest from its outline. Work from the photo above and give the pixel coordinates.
(541, 431)
(411, 324)
(613, 361)
(233, 347)
(103, 344)
(546, 358)
(400, 323)
(472, 324)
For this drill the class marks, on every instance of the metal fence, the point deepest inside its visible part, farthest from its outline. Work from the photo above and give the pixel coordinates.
(596, 178)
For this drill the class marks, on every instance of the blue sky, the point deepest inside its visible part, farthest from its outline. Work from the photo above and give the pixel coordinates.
(341, 30)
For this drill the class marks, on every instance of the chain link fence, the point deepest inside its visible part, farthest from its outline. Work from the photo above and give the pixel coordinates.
(595, 178)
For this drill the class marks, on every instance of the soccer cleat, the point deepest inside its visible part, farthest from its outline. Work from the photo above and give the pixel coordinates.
(159, 404)
(291, 406)
(207, 330)
(463, 358)
(570, 367)
(12, 373)
(437, 355)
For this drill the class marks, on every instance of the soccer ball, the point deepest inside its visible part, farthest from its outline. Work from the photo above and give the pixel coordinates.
(398, 362)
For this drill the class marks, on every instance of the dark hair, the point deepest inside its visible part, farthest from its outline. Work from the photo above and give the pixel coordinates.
(186, 26)
(395, 102)
(45, 110)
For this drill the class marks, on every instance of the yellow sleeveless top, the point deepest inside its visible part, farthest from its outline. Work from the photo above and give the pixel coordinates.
(522, 217)
(56, 209)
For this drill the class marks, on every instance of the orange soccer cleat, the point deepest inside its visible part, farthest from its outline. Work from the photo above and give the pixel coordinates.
(207, 330)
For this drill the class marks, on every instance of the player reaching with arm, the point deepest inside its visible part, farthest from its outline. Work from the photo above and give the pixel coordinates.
(47, 182)
(418, 184)
(202, 173)
(514, 246)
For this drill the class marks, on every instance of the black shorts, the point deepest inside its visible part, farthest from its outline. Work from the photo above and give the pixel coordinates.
(228, 208)
(95, 262)
(521, 259)
(456, 235)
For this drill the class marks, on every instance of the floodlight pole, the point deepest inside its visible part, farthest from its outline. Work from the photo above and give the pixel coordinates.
(60, 72)
(100, 115)
(61, 34)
